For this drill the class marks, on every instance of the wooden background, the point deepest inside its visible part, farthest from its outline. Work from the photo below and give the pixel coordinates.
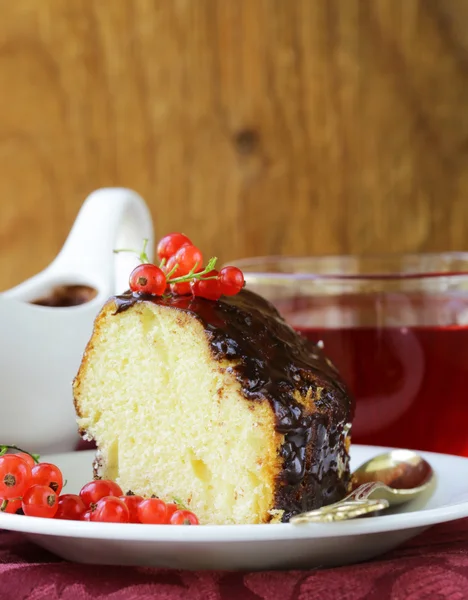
(255, 126)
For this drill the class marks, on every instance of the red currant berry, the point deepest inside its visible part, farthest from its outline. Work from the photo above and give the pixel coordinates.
(170, 243)
(207, 288)
(10, 506)
(148, 279)
(132, 503)
(181, 289)
(111, 510)
(231, 280)
(152, 511)
(47, 474)
(171, 508)
(27, 457)
(70, 507)
(187, 258)
(93, 491)
(40, 501)
(15, 474)
(184, 517)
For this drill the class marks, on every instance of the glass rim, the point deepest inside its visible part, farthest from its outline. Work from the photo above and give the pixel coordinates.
(256, 267)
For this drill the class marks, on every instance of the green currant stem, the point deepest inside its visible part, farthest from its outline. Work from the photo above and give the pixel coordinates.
(143, 256)
(173, 270)
(4, 504)
(4, 449)
(185, 278)
(192, 275)
(179, 502)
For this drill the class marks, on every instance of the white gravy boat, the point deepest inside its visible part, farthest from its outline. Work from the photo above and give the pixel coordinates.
(41, 346)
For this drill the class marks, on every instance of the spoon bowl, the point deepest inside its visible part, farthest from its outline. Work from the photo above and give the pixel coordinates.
(386, 480)
(405, 474)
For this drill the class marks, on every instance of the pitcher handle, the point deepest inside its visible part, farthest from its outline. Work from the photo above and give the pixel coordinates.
(110, 218)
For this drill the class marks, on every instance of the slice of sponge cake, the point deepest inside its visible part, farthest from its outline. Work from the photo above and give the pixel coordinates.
(218, 404)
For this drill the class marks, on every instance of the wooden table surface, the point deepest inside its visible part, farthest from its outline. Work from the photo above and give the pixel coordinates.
(255, 126)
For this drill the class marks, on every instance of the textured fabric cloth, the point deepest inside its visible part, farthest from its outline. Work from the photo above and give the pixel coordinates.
(432, 566)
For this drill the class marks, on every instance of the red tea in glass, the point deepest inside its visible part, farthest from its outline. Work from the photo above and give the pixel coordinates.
(397, 329)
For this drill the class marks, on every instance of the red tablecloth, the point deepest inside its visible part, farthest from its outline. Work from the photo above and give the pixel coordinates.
(433, 566)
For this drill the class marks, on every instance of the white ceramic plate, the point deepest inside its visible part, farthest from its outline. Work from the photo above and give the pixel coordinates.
(249, 547)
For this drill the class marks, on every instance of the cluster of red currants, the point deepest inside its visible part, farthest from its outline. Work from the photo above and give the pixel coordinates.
(34, 488)
(103, 500)
(181, 272)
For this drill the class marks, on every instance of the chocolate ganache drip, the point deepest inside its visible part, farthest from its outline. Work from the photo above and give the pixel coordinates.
(273, 362)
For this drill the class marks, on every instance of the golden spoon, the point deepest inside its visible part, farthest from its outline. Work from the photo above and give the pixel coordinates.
(386, 480)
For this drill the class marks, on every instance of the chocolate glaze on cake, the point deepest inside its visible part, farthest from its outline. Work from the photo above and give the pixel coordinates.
(273, 362)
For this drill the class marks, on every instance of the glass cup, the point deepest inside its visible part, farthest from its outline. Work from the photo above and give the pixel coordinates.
(397, 329)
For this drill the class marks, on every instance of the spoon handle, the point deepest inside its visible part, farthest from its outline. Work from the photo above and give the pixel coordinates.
(354, 505)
